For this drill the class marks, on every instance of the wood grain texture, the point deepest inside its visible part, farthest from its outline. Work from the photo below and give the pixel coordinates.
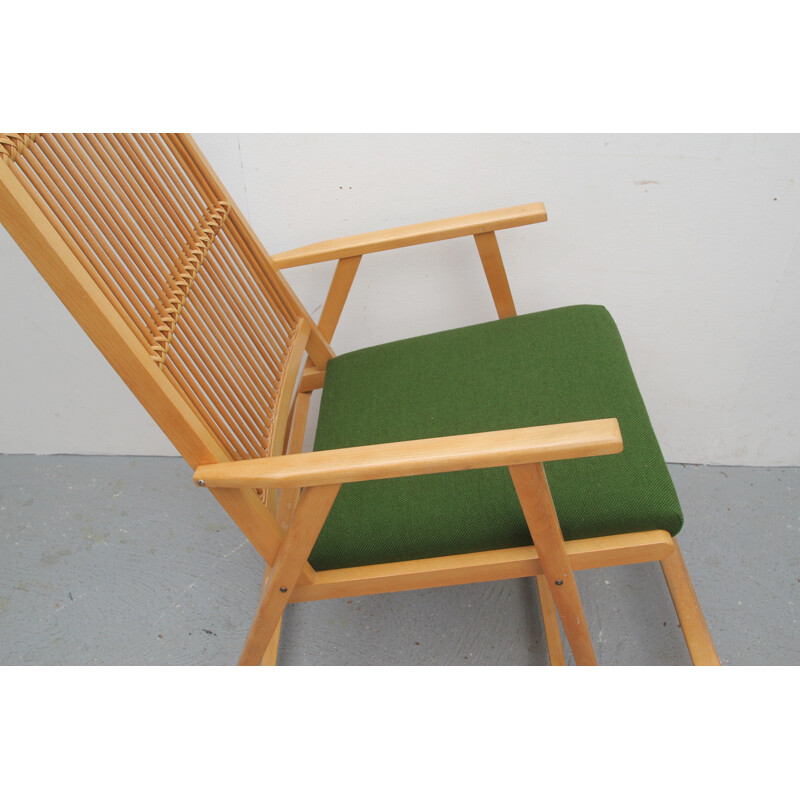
(286, 509)
(530, 482)
(421, 456)
(407, 235)
(283, 403)
(492, 565)
(693, 622)
(315, 503)
(496, 277)
(289, 497)
(337, 295)
(312, 378)
(552, 631)
(270, 657)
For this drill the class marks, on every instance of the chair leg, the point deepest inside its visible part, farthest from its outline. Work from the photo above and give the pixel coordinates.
(315, 503)
(550, 619)
(270, 657)
(693, 623)
(530, 483)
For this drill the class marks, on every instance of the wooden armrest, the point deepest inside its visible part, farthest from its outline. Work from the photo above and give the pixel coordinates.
(392, 238)
(418, 457)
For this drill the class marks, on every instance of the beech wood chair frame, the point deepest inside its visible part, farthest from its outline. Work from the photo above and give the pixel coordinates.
(60, 210)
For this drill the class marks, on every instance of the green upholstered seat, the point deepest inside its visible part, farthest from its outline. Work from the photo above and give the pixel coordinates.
(562, 365)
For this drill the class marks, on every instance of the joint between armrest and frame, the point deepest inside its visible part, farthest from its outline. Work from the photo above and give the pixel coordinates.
(392, 238)
(418, 457)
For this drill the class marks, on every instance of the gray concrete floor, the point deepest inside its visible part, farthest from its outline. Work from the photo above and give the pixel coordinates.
(121, 560)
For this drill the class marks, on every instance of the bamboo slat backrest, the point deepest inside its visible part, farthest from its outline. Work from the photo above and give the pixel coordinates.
(148, 221)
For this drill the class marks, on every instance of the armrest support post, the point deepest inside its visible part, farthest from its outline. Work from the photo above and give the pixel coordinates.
(533, 492)
(337, 295)
(492, 261)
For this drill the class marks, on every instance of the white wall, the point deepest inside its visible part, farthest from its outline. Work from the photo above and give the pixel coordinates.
(690, 240)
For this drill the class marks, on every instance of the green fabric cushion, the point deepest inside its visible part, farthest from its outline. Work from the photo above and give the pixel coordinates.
(563, 365)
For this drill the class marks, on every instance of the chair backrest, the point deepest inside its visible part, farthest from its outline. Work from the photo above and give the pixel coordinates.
(147, 250)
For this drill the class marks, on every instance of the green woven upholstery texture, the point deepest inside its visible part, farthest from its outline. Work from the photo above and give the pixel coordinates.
(563, 365)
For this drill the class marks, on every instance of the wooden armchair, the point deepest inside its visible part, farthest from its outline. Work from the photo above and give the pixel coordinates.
(429, 460)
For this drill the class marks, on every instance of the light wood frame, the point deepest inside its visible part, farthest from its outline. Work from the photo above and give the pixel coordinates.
(280, 500)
